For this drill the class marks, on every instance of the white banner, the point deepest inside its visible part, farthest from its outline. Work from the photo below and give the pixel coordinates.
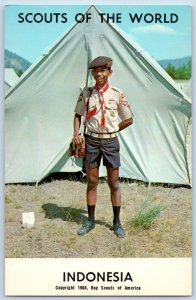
(100, 276)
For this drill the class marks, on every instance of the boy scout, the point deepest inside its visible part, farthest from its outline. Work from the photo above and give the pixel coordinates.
(102, 104)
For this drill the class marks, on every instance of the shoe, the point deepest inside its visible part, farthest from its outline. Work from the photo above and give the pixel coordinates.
(118, 230)
(86, 227)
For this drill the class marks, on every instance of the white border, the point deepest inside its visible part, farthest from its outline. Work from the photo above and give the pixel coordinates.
(129, 2)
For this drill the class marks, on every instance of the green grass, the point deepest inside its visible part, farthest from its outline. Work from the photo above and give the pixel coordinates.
(146, 215)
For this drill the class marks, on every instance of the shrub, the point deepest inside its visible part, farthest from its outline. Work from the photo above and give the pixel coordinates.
(146, 215)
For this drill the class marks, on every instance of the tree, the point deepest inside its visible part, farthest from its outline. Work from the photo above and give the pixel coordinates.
(19, 72)
(181, 72)
(171, 70)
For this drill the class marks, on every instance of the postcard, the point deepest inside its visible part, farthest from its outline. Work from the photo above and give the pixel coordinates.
(115, 218)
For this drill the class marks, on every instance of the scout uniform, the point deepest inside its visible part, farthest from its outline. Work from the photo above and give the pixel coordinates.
(104, 107)
(101, 108)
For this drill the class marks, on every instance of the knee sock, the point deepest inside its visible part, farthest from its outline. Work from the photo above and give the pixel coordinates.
(91, 212)
(116, 211)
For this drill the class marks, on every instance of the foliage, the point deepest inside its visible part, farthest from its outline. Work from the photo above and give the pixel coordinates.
(181, 72)
(146, 215)
(19, 72)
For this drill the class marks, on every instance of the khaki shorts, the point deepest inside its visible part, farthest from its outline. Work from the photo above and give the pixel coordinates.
(97, 148)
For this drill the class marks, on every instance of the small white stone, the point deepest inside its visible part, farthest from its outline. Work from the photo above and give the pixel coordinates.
(28, 219)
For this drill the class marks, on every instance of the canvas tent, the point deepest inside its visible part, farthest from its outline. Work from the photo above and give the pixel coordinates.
(188, 88)
(39, 109)
(10, 78)
(185, 85)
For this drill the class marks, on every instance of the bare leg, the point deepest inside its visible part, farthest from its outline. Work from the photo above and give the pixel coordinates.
(93, 180)
(113, 182)
(91, 195)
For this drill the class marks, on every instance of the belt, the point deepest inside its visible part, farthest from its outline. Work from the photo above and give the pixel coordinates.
(102, 135)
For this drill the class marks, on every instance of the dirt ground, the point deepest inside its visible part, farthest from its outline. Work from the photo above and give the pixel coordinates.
(60, 209)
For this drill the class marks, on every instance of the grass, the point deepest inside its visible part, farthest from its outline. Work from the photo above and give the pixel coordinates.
(7, 199)
(147, 214)
(157, 220)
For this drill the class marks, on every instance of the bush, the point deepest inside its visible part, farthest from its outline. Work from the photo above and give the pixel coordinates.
(146, 215)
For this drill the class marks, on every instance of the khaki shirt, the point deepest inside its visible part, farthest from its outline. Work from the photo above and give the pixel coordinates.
(116, 106)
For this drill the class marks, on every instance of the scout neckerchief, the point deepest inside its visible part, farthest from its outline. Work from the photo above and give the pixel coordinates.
(100, 91)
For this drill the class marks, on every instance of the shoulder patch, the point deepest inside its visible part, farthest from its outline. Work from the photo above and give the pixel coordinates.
(116, 89)
(80, 97)
(122, 95)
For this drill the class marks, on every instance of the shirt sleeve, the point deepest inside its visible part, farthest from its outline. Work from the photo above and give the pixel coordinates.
(124, 109)
(80, 105)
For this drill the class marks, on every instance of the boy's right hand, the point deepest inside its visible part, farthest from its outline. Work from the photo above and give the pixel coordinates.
(78, 140)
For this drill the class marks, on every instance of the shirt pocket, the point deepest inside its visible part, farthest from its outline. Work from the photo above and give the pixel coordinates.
(92, 104)
(111, 108)
(112, 105)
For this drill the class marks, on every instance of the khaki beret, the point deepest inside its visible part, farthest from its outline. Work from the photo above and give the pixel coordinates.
(101, 61)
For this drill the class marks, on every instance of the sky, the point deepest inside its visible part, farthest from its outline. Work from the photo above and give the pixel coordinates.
(167, 37)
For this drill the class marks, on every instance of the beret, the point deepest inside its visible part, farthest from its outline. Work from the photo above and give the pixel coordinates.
(101, 61)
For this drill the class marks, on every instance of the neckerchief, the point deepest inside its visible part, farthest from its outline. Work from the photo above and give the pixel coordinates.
(101, 91)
